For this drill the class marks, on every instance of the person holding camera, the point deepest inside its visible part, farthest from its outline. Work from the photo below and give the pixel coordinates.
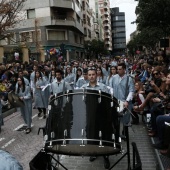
(152, 87)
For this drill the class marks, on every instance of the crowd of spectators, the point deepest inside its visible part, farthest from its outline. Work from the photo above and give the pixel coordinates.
(151, 75)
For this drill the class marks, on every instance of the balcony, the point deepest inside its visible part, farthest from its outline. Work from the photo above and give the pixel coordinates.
(62, 4)
(59, 20)
(106, 26)
(106, 8)
(105, 2)
(107, 42)
(109, 48)
(107, 37)
(104, 18)
(107, 31)
(96, 27)
(66, 21)
(106, 13)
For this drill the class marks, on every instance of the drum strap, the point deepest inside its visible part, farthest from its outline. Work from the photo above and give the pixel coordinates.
(64, 87)
(126, 87)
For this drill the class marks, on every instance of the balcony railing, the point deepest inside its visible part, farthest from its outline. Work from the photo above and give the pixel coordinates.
(62, 3)
(63, 17)
(66, 21)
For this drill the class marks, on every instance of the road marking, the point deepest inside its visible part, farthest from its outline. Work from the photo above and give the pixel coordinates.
(1, 139)
(34, 116)
(18, 127)
(8, 143)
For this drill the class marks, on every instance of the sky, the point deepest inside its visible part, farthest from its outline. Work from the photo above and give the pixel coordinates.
(127, 6)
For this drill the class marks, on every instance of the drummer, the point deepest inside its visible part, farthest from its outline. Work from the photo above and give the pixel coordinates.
(95, 85)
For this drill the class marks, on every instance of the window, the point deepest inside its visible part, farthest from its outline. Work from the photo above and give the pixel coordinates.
(25, 37)
(78, 18)
(118, 18)
(118, 24)
(119, 35)
(56, 35)
(84, 6)
(77, 39)
(11, 39)
(89, 33)
(31, 13)
(30, 36)
(85, 32)
(36, 35)
(84, 18)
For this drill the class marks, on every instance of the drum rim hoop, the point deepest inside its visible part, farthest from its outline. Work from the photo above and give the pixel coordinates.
(67, 94)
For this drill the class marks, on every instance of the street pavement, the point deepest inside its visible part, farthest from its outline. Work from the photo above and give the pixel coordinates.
(25, 146)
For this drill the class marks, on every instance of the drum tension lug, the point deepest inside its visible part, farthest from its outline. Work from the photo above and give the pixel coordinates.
(45, 140)
(121, 147)
(52, 137)
(82, 134)
(100, 136)
(99, 99)
(114, 143)
(64, 140)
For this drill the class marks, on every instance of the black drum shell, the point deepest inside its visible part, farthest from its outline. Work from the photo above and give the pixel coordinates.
(80, 120)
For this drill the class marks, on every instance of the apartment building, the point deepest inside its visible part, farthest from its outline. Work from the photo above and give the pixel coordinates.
(118, 31)
(104, 6)
(97, 27)
(50, 24)
(87, 23)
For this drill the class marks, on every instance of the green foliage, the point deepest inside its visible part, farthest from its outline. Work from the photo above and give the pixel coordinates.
(94, 47)
(153, 21)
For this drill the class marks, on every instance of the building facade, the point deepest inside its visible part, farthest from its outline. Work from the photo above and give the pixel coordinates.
(51, 25)
(104, 6)
(118, 31)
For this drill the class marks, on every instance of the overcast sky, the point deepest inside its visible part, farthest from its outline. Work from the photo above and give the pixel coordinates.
(127, 6)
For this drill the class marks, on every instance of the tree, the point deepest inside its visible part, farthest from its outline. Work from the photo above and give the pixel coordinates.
(153, 22)
(154, 14)
(10, 14)
(94, 48)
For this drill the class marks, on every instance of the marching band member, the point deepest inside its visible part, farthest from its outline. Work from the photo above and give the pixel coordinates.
(41, 96)
(123, 89)
(52, 76)
(82, 80)
(95, 85)
(24, 93)
(113, 71)
(59, 85)
(78, 76)
(69, 76)
(100, 77)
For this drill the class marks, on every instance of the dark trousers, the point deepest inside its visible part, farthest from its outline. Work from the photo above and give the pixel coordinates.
(42, 110)
(160, 122)
(155, 112)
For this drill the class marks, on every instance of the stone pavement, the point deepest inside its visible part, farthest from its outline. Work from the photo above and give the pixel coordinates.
(24, 147)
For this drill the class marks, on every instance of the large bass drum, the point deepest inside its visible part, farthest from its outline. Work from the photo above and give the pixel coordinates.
(81, 122)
